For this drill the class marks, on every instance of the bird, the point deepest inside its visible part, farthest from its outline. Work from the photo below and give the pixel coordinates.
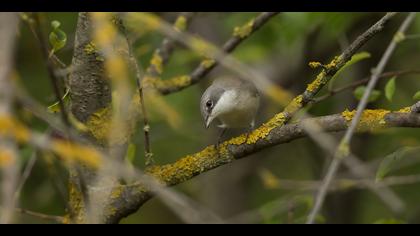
(234, 102)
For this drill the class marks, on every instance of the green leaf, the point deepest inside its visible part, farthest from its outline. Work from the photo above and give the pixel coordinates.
(57, 37)
(359, 91)
(354, 59)
(54, 108)
(390, 89)
(402, 157)
(417, 96)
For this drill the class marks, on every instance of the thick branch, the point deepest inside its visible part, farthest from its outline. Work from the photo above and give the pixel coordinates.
(89, 90)
(132, 197)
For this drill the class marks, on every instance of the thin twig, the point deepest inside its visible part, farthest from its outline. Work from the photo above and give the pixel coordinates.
(328, 143)
(50, 68)
(30, 23)
(361, 82)
(278, 206)
(26, 173)
(146, 128)
(344, 183)
(154, 71)
(43, 216)
(164, 51)
(343, 148)
(412, 36)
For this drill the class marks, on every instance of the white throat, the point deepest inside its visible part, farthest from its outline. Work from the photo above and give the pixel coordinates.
(226, 103)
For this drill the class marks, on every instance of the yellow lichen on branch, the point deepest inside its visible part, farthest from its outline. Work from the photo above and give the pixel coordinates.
(207, 63)
(157, 63)
(405, 110)
(322, 77)
(371, 120)
(76, 205)
(245, 30)
(186, 167)
(90, 48)
(76, 152)
(314, 64)
(294, 105)
(317, 83)
(99, 124)
(175, 82)
(260, 133)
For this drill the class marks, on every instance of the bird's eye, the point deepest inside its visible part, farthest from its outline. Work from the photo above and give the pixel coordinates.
(209, 103)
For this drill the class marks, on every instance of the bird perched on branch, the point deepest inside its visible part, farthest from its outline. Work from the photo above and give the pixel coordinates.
(232, 101)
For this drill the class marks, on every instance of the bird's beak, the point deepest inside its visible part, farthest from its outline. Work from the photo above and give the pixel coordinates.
(208, 120)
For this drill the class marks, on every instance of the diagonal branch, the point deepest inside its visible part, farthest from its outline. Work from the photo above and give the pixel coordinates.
(271, 133)
(240, 34)
(133, 196)
(343, 148)
(162, 54)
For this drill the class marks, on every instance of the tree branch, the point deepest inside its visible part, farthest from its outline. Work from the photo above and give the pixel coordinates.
(50, 68)
(267, 135)
(240, 34)
(130, 198)
(154, 71)
(343, 148)
(162, 54)
(363, 81)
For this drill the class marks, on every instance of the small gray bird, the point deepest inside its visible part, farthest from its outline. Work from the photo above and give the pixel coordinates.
(232, 101)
